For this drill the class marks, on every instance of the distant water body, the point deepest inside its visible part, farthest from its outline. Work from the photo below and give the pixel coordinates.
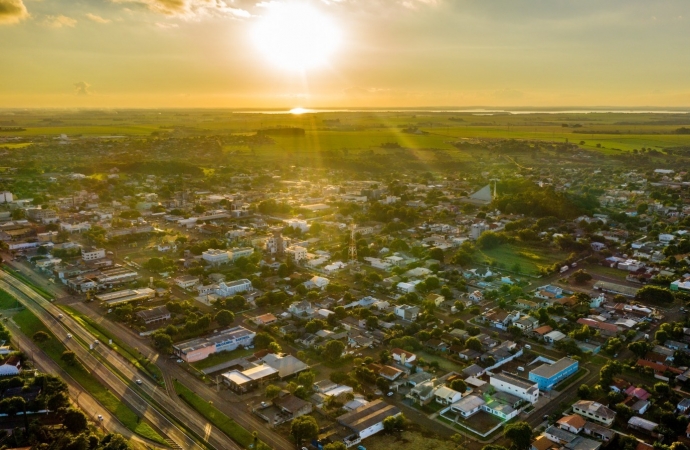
(477, 112)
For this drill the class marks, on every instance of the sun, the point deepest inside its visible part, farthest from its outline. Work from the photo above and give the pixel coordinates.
(296, 36)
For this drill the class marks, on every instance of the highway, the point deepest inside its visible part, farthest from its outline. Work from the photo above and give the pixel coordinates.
(233, 408)
(123, 387)
(82, 398)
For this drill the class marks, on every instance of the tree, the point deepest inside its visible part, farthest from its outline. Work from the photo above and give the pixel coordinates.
(474, 344)
(655, 295)
(274, 348)
(584, 392)
(40, 337)
(263, 340)
(333, 350)
(75, 421)
(224, 317)
(458, 385)
(69, 357)
(272, 391)
(283, 270)
(437, 254)
(581, 277)
(607, 373)
(520, 433)
(304, 427)
(162, 342)
(384, 356)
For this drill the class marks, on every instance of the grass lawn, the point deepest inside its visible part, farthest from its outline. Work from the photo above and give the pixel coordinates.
(221, 357)
(7, 301)
(606, 271)
(443, 363)
(234, 430)
(530, 259)
(30, 324)
(12, 145)
(132, 355)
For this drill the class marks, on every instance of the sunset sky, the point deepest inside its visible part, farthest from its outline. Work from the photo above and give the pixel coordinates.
(344, 53)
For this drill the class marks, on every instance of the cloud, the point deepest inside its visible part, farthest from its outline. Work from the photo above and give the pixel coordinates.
(190, 9)
(96, 18)
(166, 26)
(12, 11)
(414, 4)
(60, 21)
(82, 88)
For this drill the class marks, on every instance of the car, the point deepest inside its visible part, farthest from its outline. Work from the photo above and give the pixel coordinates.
(179, 361)
(528, 347)
(60, 316)
(390, 394)
(138, 381)
(682, 309)
(264, 404)
(545, 417)
(100, 417)
(361, 447)
(69, 336)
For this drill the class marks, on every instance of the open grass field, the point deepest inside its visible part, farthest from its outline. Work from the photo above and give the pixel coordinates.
(408, 439)
(234, 430)
(15, 145)
(221, 357)
(614, 132)
(7, 301)
(529, 259)
(30, 324)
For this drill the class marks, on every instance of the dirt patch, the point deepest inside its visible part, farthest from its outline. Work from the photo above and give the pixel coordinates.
(407, 440)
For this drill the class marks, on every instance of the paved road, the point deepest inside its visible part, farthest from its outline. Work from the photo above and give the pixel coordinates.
(123, 388)
(81, 397)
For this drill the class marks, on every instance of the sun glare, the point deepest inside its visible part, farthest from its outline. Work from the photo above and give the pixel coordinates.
(296, 37)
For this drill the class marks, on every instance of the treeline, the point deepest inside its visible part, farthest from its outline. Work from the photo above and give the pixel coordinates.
(524, 197)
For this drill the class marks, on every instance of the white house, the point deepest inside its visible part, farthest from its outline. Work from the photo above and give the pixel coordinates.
(298, 224)
(233, 287)
(518, 386)
(446, 396)
(407, 312)
(186, 281)
(11, 366)
(317, 282)
(92, 254)
(296, 253)
(476, 296)
(595, 411)
(216, 257)
(403, 356)
(468, 406)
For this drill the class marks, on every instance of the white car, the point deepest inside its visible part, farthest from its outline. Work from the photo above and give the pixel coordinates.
(138, 381)
(100, 417)
(179, 360)
(69, 336)
(390, 394)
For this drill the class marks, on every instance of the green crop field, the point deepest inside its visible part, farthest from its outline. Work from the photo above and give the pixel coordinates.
(530, 259)
(14, 145)
(30, 324)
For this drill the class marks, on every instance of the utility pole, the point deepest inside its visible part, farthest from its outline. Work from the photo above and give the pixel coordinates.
(352, 251)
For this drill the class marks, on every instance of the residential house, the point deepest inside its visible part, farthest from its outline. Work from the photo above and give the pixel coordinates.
(595, 411)
(446, 396)
(572, 423)
(518, 386)
(403, 357)
(406, 312)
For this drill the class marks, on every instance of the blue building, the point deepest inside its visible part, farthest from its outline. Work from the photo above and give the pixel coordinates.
(548, 375)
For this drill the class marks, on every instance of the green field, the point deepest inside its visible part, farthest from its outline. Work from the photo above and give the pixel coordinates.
(7, 301)
(530, 259)
(614, 132)
(30, 324)
(14, 145)
(221, 357)
(228, 426)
